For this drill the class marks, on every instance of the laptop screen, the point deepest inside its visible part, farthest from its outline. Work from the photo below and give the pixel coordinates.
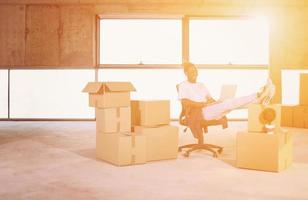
(227, 92)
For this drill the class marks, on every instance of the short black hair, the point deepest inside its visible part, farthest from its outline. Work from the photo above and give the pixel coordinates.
(188, 65)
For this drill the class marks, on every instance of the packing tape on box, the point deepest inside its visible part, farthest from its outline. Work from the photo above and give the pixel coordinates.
(133, 150)
(118, 119)
(287, 137)
(133, 158)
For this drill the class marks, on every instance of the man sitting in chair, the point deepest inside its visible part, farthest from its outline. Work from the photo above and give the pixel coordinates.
(195, 94)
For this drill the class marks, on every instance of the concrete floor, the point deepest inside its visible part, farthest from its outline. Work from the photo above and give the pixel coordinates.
(56, 160)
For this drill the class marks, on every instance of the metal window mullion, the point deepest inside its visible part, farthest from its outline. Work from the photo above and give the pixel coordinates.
(185, 39)
(8, 93)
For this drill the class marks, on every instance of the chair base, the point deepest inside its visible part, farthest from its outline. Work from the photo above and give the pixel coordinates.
(208, 147)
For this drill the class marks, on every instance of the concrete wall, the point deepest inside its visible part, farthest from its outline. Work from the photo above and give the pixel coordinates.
(62, 32)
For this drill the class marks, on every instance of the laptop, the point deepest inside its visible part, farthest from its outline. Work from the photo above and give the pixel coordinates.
(227, 92)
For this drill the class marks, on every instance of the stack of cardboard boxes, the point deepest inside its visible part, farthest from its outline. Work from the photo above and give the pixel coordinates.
(151, 119)
(130, 132)
(115, 143)
(297, 115)
(261, 150)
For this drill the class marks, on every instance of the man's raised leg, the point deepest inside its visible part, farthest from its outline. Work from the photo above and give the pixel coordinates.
(218, 110)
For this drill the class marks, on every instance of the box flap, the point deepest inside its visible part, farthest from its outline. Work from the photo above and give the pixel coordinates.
(119, 86)
(101, 87)
(93, 87)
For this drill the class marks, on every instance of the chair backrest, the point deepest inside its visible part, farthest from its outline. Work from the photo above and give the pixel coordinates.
(182, 114)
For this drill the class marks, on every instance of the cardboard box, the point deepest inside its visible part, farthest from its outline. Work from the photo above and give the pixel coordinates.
(112, 120)
(266, 152)
(121, 149)
(255, 116)
(161, 142)
(287, 115)
(150, 113)
(300, 116)
(109, 94)
(303, 92)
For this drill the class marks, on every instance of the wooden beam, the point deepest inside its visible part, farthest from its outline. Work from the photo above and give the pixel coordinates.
(163, 2)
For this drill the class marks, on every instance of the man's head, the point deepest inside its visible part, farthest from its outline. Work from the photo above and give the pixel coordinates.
(191, 72)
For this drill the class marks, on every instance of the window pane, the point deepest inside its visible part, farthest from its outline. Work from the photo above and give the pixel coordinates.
(140, 41)
(50, 94)
(161, 83)
(3, 94)
(229, 41)
(290, 85)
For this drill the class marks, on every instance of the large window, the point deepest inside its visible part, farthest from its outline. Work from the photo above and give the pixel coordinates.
(159, 41)
(161, 83)
(137, 41)
(50, 94)
(244, 42)
(290, 83)
(3, 93)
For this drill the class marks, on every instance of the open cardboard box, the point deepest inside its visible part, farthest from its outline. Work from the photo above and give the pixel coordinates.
(109, 94)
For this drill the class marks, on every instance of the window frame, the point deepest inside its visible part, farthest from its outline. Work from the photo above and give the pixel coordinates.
(185, 42)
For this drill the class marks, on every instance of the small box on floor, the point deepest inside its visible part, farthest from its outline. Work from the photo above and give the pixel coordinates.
(303, 92)
(300, 119)
(257, 114)
(109, 94)
(121, 149)
(161, 142)
(266, 152)
(287, 115)
(112, 120)
(150, 113)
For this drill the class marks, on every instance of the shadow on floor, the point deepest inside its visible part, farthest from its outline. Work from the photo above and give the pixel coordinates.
(88, 153)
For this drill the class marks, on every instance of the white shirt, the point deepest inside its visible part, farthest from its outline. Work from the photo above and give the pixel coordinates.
(193, 91)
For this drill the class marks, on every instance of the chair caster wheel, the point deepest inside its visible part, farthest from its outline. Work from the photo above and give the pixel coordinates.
(186, 154)
(220, 150)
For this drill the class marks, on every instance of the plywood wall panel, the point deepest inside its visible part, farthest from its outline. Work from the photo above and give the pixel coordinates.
(77, 35)
(42, 37)
(12, 35)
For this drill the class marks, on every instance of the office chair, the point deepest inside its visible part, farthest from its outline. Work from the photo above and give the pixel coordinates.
(201, 125)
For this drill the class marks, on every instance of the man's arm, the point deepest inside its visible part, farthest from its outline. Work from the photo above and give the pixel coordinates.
(211, 101)
(190, 103)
